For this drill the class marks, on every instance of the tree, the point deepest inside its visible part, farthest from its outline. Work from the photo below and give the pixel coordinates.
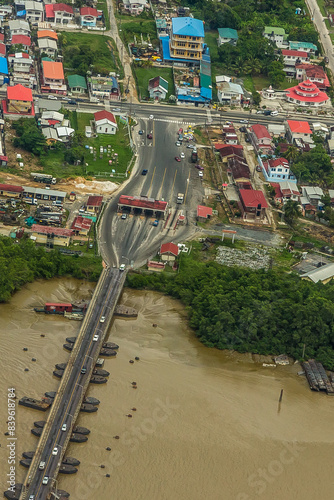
(256, 98)
(291, 211)
(29, 137)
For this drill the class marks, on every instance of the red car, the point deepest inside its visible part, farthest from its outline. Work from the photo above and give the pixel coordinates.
(199, 167)
(180, 130)
(177, 158)
(149, 136)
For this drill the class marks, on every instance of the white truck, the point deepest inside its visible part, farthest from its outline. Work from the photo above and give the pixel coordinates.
(180, 198)
(46, 178)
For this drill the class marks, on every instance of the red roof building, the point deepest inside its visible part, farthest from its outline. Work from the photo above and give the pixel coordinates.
(51, 235)
(94, 203)
(169, 249)
(19, 101)
(60, 13)
(21, 40)
(19, 93)
(62, 7)
(9, 189)
(88, 11)
(229, 150)
(104, 115)
(81, 225)
(306, 93)
(142, 203)
(204, 212)
(294, 54)
(316, 74)
(2, 49)
(260, 137)
(253, 204)
(152, 265)
(298, 130)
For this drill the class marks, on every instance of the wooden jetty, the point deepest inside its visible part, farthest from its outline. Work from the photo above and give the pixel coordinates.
(317, 377)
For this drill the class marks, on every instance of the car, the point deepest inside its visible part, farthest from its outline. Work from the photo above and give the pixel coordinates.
(200, 174)
(180, 131)
(32, 497)
(149, 136)
(64, 427)
(124, 216)
(95, 338)
(50, 96)
(243, 121)
(190, 146)
(41, 465)
(177, 143)
(258, 168)
(102, 319)
(155, 223)
(55, 451)
(117, 109)
(140, 132)
(182, 155)
(144, 172)
(91, 245)
(228, 123)
(151, 117)
(247, 139)
(83, 371)
(199, 167)
(122, 267)
(177, 158)
(274, 113)
(259, 112)
(242, 129)
(72, 101)
(45, 480)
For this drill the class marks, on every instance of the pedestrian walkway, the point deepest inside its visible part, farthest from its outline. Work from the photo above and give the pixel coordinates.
(167, 120)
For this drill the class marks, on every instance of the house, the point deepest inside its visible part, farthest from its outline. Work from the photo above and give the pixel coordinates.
(3, 71)
(323, 274)
(34, 11)
(187, 39)
(49, 34)
(277, 169)
(47, 46)
(52, 78)
(135, 7)
(19, 102)
(47, 105)
(5, 11)
(104, 87)
(298, 130)
(22, 69)
(285, 190)
(260, 137)
(229, 134)
(105, 122)
(229, 93)
(308, 47)
(50, 135)
(169, 252)
(51, 236)
(312, 195)
(10, 191)
(23, 40)
(51, 118)
(94, 204)
(227, 151)
(291, 58)
(81, 226)
(59, 13)
(204, 212)
(253, 204)
(88, 16)
(65, 133)
(77, 84)
(227, 35)
(19, 27)
(2, 50)
(239, 171)
(152, 265)
(307, 94)
(316, 74)
(157, 88)
(275, 35)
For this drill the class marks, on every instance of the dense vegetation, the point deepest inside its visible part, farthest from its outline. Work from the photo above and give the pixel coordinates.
(264, 312)
(23, 262)
(29, 136)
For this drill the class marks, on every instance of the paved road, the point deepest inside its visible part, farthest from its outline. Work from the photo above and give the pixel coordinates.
(70, 395)
(319, 22)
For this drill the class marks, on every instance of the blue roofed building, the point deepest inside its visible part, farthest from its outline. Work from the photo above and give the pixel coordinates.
(186, 43)
(227, 35)
(4, 78)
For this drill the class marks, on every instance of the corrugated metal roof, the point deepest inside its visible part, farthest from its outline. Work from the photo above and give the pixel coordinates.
(321, 274)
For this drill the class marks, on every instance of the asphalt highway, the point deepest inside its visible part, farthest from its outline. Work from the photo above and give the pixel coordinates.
(101, 305)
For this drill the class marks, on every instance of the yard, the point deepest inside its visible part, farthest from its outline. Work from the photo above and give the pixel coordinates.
(84, 52)
(145, 74)
(133, 30)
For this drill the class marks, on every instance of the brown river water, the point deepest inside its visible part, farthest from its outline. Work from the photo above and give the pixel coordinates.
(207, 424)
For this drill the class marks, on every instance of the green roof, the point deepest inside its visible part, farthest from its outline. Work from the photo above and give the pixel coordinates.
(205, 81)
(300, 45)
(163, 83)
(77, 81)
(228, 33)
(268, 30)
(47, 59)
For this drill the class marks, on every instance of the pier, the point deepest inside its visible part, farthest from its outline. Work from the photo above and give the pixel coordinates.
(317, 377)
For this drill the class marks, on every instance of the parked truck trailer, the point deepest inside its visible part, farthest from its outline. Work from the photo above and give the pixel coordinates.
(45, 178)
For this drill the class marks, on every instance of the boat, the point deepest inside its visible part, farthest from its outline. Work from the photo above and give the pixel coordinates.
(269, 365)
(14, 495)
(81, 430)
(71, 461)
(61, 366)
(95, 379)
(50, 394)
(25, 462)
(28, 454)
(88, 408)
(58, 373)
(78, 316)
(99, 362)
(78, 438)
(125, 312)
(40, 423)
(71, 340)
(91, 401)
(35, 403)
(67, 469)
(36, 431)
(68, 347)
(63, 494)
(107, 352)
(101, 373)
(110, 345)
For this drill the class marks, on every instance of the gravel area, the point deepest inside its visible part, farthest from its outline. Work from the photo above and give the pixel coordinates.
(252, 257)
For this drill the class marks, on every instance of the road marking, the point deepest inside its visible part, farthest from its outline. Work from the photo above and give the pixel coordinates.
(149, 189)
(167, 120)
(171, 194)
(188, 182)
(153, 142)
(162, 183)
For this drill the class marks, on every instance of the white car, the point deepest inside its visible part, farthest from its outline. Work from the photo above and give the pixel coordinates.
(102, 319)
(117, 109)
(177, 143)
(55, 451)
(200, 174)
(190, 146)
(151, 117)
(95, 338)
(122, 267)
(50, 96)
(64, 427)
(45, 480)
(182, 155)
(41, 466)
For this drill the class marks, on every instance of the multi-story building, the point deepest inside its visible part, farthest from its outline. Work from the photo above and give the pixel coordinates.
(291, 58)
(19, 102)
(59, 13)
(22, 70)
(47, 46)
(307, 94)
(88, 16)
(316, 74)
(104, 87)
(52, 78)
(187, 39)
(275, 35)
(19, 27)
(34, 11)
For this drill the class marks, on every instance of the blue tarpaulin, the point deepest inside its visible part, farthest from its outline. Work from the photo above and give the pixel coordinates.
(21, 13)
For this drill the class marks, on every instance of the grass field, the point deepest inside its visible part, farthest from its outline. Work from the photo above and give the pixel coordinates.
(133, 29)
(102, 5)
(145, 74)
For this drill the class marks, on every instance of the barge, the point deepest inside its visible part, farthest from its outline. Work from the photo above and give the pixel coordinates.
(36, 404)
(26, 462)
(60, 366)
(15, 494)
(317, 377)
(101, 373)
(40, 424)
(36, 431)
(78, 438)
(60, 308)
(107, 352)
(71, 340)
(67, 469)
(91, 401)
(71, 461)
(51, 394)
(28, 454)
(81, 430)
(88, 408)
(95, 379)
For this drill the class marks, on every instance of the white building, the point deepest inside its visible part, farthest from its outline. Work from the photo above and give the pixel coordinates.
(34, 11)
(229, 93)
(135, 6)
(47, 46)
(275, 35)
(105, 122)
(19, 27)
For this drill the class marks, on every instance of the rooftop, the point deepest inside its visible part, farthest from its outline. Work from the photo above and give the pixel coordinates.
(158, 81)
(94, 201)
(307, 91)
(142, 202)
(204, 212)
(47, 34)
(77, 81)
(169, 248)
(295, 53)
(253, 198)
(80, 223)
(321, 274)
(104, 115)
(268, 30)
(57, 231)
(10, 187)
(187, 26)
(299, 127)
(21, 40)
(19, 93)
(53, 70)
(62, 7)
(88, 11)
(260, 131)
(228, 33)
(41, 191)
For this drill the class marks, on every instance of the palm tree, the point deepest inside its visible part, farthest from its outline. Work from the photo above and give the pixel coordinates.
(291, 211)
(291, 153)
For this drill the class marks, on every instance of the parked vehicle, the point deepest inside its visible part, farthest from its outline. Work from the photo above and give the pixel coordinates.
(180, 198)
(274, 113)
(72, 101)
(177, 158)
(140, 132)
(155, 223)
(199, 167)
(53, 97)
(124, 216)
(182, 155)
(45, 178)
(177, 143)
(267, 112)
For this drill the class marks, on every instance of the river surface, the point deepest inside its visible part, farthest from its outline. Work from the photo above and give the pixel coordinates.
(207, 423)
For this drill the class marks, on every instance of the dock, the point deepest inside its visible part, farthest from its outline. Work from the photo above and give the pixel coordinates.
(317, 377)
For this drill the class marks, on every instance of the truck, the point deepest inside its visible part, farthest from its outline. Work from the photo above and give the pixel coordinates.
(46, 178)
(180, 198)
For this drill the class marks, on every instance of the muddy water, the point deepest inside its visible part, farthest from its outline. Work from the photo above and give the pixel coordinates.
(206, 424)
